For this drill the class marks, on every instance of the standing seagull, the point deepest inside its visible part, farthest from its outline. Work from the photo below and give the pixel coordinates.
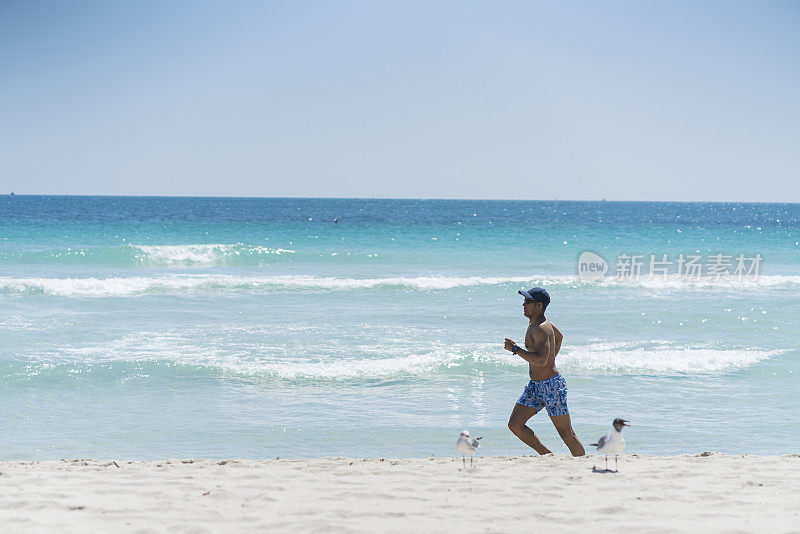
(467, 445)
(613, 442)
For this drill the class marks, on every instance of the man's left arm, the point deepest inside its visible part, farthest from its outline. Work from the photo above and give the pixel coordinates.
(559, 339)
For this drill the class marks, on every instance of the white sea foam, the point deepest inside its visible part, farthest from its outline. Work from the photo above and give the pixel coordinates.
(196, 254)
(658, 357)
(262, 360)
(364, 368)
(139, 285)
(189, 255)
(229, 356)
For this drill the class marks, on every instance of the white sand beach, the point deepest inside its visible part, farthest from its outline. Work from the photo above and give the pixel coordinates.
(707, 492)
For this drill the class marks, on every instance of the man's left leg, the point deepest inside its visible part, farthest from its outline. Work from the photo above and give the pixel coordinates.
(563, 425)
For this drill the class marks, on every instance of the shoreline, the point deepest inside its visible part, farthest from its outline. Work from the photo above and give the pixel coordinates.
(707, 491)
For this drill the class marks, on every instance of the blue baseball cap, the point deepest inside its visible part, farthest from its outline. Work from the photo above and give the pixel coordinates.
(539, 294)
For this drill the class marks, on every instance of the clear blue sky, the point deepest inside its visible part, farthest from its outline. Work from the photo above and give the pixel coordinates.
(579, 100)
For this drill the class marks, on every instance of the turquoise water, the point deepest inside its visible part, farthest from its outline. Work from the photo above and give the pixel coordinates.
(220, 327)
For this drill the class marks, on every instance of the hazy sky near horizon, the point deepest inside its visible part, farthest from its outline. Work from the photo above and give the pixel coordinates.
(529, 100)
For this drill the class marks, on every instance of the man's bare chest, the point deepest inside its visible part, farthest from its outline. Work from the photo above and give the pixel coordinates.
(529, 337)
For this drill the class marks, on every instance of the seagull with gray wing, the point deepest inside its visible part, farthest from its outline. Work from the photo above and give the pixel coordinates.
(613, 442)
(467, 445)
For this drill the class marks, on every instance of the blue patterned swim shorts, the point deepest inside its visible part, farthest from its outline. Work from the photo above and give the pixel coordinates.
(550, 393)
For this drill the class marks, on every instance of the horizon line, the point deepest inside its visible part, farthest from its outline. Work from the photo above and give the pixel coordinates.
(400, 198)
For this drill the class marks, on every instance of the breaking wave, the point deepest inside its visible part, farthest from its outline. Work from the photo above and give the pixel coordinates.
(178, 283)
(198, 255)
(141, 285)
(659, 357)
(153, 354)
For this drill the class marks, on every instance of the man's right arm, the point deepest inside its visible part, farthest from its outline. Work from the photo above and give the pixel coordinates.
(559, 339)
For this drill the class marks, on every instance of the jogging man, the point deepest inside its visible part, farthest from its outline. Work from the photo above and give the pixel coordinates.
(547, 388)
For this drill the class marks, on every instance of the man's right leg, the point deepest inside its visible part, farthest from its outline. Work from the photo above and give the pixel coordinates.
(516, 423)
